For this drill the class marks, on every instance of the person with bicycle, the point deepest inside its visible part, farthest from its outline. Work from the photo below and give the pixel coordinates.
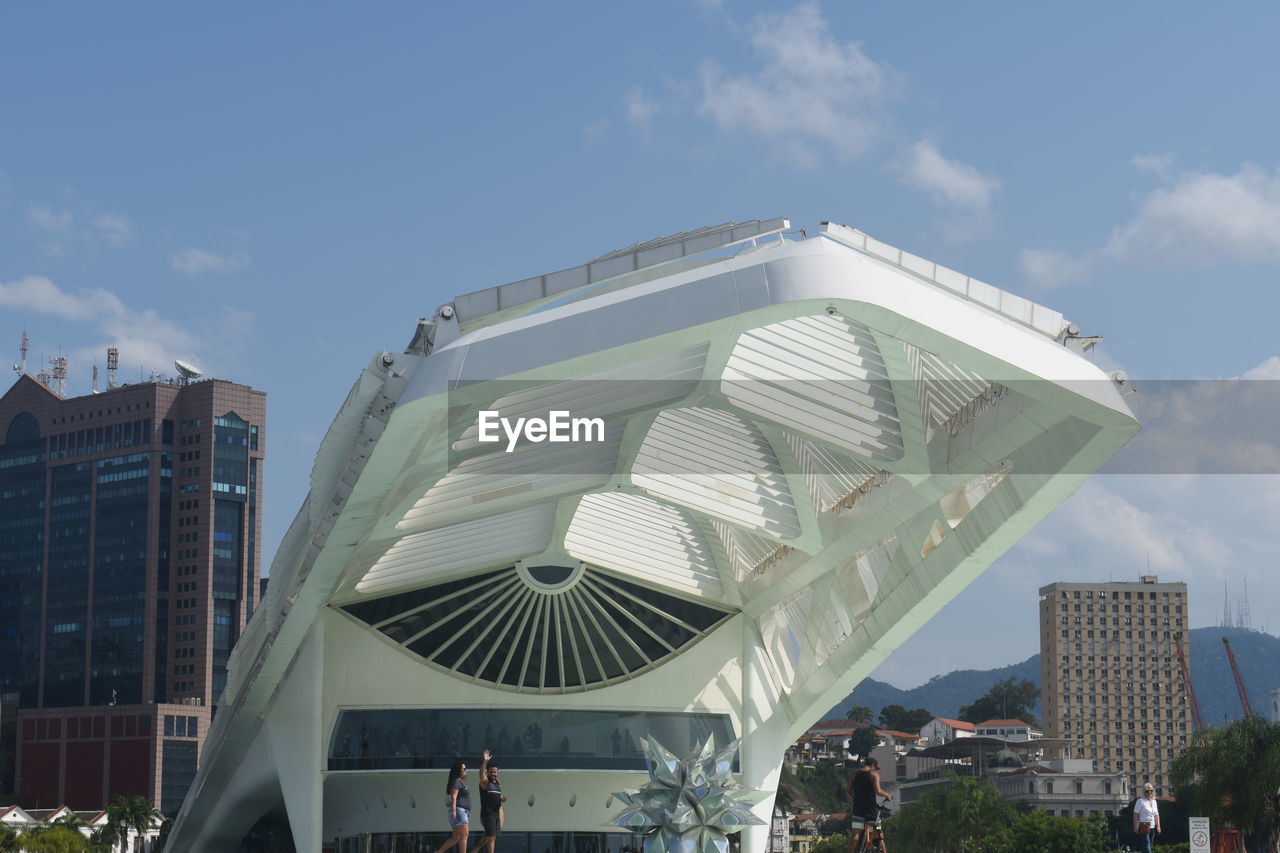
(863, 788)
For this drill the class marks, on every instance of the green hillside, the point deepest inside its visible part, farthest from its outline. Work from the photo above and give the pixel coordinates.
(1257, 654)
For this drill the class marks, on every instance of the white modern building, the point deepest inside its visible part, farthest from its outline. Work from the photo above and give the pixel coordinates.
(781, 455)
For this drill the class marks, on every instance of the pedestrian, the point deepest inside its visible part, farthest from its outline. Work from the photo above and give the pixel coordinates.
(459, 808)
(862, 788)
(1146, 818)
(491, 800)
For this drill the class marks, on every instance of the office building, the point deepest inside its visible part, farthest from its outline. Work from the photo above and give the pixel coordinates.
(791, 451)
(129, 564)
(1111, 682)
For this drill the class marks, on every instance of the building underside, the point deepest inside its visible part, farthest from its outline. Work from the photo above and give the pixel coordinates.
(805, 448)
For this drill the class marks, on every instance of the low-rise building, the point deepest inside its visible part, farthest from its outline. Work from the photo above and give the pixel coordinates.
(941, 730)
(1008, 730)
(19, 819)
(1066, 787)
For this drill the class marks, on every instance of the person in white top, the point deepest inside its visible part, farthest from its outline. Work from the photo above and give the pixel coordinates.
(1147, 814)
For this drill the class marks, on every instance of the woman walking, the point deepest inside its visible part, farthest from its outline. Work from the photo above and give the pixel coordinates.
(459, 808)
(1146, 818)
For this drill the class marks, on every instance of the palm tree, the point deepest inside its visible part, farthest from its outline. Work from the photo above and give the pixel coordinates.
(106, 838)
(1232, 775)
(131, 815)
(142, 816)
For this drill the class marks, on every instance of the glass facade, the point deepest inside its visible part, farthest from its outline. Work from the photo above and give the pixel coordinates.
(119, 579)
(520, 738)
(231, 494)
(507, 842)
(66, 625)
(179, 762)
(504, 629)
(22, 474)
(163, 560)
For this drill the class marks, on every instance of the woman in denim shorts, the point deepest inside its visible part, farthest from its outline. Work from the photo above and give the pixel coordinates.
(459, 809)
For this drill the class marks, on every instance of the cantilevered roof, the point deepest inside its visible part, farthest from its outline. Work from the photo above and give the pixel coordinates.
(806, 445)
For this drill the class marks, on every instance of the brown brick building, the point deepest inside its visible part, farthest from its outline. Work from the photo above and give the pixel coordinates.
(129, 563)
(1109, 675)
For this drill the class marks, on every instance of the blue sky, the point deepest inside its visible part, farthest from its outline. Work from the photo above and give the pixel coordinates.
(277, 191)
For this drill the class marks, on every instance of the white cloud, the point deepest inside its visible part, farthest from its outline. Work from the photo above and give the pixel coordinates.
(1195, 219)
(40, 295)
(640, 109)
(956, 186)
(810, 87)
(1045, 269)
(1269, 369)
(114, 229)
(200, 261)
(950, 182)
(48, 219)
(146, 338)
(1157, 164)
(1205, 218)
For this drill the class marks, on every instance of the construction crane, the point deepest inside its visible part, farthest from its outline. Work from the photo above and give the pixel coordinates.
(1197, 719)
(1235, 671)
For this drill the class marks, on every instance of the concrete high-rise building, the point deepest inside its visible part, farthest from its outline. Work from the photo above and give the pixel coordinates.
(1110, 678)
(129, 563)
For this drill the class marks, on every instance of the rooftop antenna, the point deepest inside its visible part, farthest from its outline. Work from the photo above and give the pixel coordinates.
(21, 367)
(1226, 606)
(113, 365)
(95, 379)
(187, 371)
(59, 364)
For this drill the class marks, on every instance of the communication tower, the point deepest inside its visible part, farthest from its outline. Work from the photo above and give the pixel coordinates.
(59, 365)
(21, 367)
(113, 366)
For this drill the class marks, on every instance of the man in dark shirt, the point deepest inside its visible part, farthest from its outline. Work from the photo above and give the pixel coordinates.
(863, 788)
(491, 800)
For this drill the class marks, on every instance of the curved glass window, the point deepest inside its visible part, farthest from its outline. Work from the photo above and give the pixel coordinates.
(548, 628)
(520, 738)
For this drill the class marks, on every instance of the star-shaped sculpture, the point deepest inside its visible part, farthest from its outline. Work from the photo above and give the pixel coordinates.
(689, 805)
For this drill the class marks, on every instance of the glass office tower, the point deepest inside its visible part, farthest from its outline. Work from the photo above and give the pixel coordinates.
(128, 567)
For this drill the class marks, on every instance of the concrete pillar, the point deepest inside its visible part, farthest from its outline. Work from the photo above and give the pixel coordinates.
(296, 740)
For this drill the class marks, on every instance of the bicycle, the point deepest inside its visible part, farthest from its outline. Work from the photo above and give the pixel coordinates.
(872, 841)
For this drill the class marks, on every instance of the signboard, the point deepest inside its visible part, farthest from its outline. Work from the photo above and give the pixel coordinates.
(1199, 834)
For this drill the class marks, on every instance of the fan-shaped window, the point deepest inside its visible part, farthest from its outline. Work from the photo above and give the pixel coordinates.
(541, 628)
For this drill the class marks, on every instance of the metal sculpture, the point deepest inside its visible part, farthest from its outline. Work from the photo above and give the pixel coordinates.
(690, 805)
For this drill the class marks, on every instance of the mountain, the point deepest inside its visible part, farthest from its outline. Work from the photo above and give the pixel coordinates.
(1257, 655)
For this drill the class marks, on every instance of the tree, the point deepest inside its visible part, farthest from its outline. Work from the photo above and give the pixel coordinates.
(1043, 833)
(106, 837)
(53, 839)
(831, 844)
(862, 741)
(957, 817)
(900, 719)
(1232, 775)
(859, 714)
(8, 840)
(1011, 699)
(134, 814)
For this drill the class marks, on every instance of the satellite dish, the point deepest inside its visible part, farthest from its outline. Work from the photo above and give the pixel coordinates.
(187, 370)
